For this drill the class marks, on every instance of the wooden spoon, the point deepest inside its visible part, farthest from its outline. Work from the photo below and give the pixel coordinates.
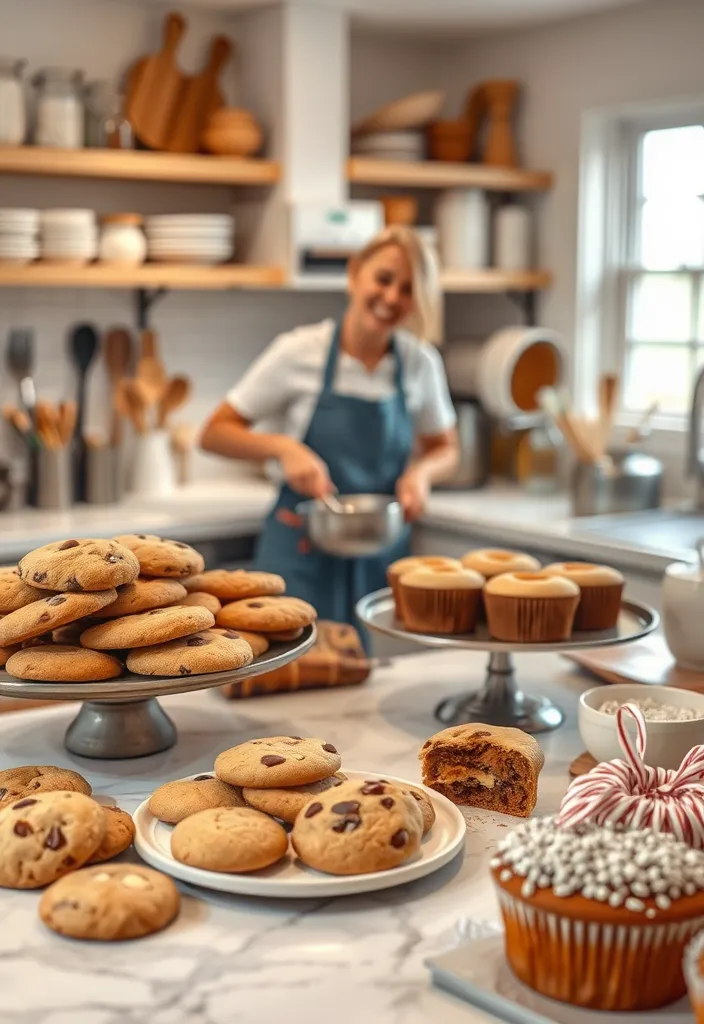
(67, 416)
(131, 401)
(152, 376)
(608, 394)
(176, 394)
(118, 352)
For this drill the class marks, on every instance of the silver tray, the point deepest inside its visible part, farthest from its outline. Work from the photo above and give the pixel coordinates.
(500, 701)
(122, 718)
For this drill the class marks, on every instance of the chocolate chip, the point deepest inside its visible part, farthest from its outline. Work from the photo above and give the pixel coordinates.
(22, 828)
(180, 545)
(254, 604)
(141, 536)
(416, 796)
(3, 794)
(183, 671)
(481, 734)
(348, 824)
(197, 641)
(399, 839)
(39, 577)
(55, 839)
(156, 611)
(44, 617)
(69, 544)
(388, 802)
(112, 559)
(231, 635)
(73, 585)
(295, 737)
(202, 778)
(270, 760)
(69, 861)
(312, 809)
(337, 782)
(346, 807)
(329, 747)
(22, 803)
(56, 599)
(372, 789)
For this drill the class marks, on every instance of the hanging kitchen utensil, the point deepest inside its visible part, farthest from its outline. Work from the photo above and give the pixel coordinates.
(176, 393)
(608, 398)
(118, 353)
(148, 344)
(155, 87)
(199, 98)
(132, 402)
(84, 347)
(151, 375)
(20, 364)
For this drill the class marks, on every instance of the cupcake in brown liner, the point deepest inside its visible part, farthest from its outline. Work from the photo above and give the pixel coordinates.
(489, 562)
(395, 571)
(530, 607)
(440, 600)
(599, 917)
(601, 588)
(694, 975)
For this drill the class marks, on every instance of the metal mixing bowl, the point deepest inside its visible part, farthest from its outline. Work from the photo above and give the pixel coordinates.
(369, 524)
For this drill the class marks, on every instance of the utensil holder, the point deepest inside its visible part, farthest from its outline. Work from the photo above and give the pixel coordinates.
(103, 476)
(624, 482)
(152, 466)
(54, 487)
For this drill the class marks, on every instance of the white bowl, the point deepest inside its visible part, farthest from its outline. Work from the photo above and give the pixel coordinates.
(667, 742)
(68, 217)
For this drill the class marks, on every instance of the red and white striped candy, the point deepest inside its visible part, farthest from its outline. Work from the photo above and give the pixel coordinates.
(628, 792)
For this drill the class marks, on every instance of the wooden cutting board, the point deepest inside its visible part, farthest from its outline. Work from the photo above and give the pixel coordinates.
(155, 86)
(647, 661)
(200, 96)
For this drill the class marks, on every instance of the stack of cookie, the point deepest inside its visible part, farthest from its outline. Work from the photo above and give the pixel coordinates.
(51, 830)
(233, 821)
(80, 610)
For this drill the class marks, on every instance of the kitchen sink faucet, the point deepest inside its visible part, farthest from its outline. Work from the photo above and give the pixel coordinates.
(695, 460)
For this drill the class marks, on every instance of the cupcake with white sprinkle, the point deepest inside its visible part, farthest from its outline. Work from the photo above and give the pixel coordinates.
(596, 916)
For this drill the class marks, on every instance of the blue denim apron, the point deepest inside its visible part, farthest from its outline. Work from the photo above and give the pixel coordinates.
(366, 446)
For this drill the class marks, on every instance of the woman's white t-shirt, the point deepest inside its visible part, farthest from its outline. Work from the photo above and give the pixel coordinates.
(282, 386)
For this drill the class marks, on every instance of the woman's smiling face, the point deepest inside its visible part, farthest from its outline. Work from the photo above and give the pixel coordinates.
(381, 291)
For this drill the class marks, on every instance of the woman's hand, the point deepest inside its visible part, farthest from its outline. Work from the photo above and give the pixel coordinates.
(412, 490)
(304, 471)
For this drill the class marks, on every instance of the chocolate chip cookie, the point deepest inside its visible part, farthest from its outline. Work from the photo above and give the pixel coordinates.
(146, 629)
(59, 663)
(110, 902)
(177, 800)
(357, 828)
(142, 596)
(192, 655)
(72, 566)
(231, 839)
(199, 597)
(50, 613)
(257, 641)
(119, 834)
(44, 836)
(15, 593)
(232, 585)
(160, 557)
(267, 614)
(30, 779)
(286, 804)
(277, 762)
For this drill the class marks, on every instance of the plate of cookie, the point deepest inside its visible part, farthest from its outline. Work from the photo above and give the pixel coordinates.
(341, 833)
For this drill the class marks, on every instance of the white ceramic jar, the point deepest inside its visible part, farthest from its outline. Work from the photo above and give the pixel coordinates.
(462, 217)
(683, 614)
(122, 240)
(512, 241)
(13, 123)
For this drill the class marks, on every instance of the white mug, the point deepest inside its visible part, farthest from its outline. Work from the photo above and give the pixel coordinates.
(152, 465)
(683, 614)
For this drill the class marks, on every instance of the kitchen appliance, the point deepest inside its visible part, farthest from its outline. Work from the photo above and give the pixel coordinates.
(368, 524)
(626, 481)
(13, 118)
(322, 238)
(474, 436)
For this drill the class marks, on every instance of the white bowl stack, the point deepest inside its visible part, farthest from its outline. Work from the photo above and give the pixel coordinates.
(406, 146)
(69, 236)
(190, 237)
(18, 236)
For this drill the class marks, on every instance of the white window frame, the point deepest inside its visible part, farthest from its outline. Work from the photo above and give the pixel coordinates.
(605, 247)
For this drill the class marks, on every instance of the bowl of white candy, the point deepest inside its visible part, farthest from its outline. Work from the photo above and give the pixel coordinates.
(675, 721)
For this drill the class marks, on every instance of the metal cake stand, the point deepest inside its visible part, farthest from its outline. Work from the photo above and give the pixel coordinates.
(122, 718)
(501, 701)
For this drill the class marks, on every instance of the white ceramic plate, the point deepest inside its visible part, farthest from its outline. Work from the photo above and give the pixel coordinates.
(185, 231)
(290, 877)
(206, 248)
(190, 220)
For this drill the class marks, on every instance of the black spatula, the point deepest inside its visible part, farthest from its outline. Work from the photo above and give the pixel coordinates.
(83, 344)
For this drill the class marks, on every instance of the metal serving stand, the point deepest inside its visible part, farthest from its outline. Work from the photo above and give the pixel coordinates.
(122, 717)
(501, 701)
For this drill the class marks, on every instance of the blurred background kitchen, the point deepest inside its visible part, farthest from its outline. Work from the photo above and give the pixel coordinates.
(179, 185)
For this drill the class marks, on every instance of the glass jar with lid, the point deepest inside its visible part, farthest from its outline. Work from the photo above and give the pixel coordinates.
(106, 124)
(59, 108)
(13, 123)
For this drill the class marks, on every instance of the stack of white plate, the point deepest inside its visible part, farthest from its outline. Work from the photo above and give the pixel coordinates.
(18, 236)
(407, 145)
(69, 236)
(190, 237)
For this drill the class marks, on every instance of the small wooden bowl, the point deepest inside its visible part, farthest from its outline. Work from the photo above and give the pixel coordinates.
(450, 141)
(400, 209)
(231, 131)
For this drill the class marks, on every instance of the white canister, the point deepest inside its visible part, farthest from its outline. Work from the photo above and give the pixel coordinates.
(13, 121)
(512, 238)
(153, 474)
(683, 614)
(60, 120)
(122, 240)
(462, 218)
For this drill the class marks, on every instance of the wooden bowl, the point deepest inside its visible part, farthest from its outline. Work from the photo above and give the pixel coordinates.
(232, 132)
(450, 141)
(400, 209)
(414, 111)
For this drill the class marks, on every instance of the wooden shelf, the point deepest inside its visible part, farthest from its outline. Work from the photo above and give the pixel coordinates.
(495, 280)
(149, 275)
(137, 165)
(435, 174)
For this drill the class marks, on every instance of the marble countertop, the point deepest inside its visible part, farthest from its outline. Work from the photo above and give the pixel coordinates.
(234, 960)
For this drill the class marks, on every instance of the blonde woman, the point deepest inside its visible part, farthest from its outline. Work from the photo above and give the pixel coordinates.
(365, 409)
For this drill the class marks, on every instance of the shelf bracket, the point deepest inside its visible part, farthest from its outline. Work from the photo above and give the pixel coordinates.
(527, 302)
(144, 300)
